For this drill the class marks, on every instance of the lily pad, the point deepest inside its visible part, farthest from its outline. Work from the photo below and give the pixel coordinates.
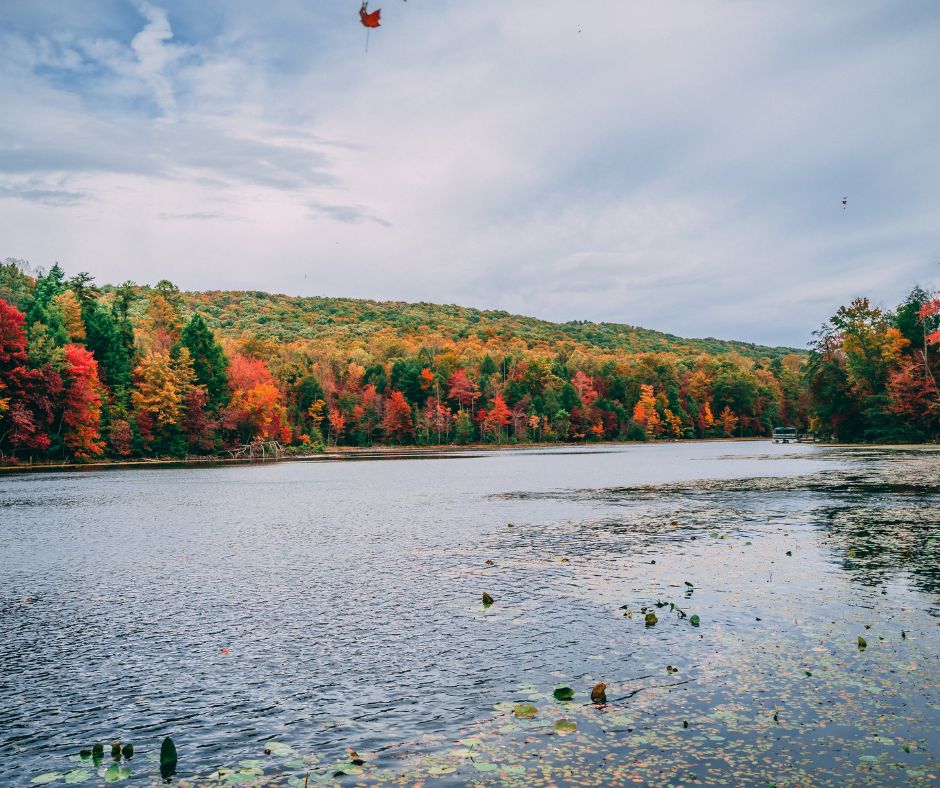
(115, 772)
(168, 758)
(563, 693)
(278, 749)
(650, 619)
(694, 620)
(48, 777)
(243, 776)
(525, 710)
(563, 727)
(168, 752)
(76, 776)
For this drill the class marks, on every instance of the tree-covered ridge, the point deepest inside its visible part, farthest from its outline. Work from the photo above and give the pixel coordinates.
(284, 318)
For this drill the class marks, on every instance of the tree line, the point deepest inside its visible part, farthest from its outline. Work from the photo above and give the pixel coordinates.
(872, 374)
(132, 371)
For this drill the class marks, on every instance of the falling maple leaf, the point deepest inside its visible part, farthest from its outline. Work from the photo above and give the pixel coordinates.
(370, 19)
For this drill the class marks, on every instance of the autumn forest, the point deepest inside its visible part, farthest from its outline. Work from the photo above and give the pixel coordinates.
(91, 372)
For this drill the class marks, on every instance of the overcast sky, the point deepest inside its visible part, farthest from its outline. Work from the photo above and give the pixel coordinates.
(675, 165)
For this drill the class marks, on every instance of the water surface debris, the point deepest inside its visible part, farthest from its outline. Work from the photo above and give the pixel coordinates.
(487, 599)
(599, 693)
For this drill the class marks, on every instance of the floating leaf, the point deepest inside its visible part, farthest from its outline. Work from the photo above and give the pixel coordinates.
(278, 749)
(168, 752)
(113, 773)
(48, 777)
(694, 620)
(167, 758)
(563, 693)
(525, 710)
(77, 776)
(487, 599)
(97, 751)
(483, 766)
(563, 727)
(789, 552)
(243, 776)
(516, 770)
(862, 643)
(128, 751)
(650, 619)
(598, 693)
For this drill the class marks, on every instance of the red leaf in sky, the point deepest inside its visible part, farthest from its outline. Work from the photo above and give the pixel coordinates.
(370, 20)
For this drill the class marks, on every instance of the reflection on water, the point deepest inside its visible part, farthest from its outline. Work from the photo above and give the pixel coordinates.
(335, 606)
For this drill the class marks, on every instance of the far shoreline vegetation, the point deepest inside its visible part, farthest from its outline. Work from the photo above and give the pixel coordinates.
(116, 373)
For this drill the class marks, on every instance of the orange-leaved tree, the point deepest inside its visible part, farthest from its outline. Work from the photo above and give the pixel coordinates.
(257, 408)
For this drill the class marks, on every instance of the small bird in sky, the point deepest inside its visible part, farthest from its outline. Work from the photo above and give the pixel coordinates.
(845, 201)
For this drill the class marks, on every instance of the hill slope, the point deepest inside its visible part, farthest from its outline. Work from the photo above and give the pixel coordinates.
(282, 318)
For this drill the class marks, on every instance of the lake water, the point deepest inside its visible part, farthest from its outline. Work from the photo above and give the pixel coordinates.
(330, 613)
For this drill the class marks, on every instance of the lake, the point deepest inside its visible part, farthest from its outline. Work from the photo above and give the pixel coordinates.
(322, 622)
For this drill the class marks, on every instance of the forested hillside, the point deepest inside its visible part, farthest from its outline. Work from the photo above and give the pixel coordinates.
(123, 371)
(285, 319)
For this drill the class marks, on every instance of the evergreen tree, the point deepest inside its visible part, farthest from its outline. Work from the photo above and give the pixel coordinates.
(105, 340)
(209, 362)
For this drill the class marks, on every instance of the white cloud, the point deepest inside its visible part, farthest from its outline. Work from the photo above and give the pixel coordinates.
(155, 56)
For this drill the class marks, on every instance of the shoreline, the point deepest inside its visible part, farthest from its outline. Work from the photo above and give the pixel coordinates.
(341, 453)
(349, 453)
